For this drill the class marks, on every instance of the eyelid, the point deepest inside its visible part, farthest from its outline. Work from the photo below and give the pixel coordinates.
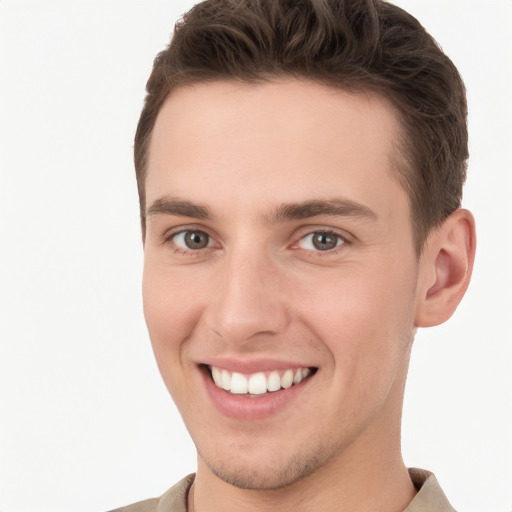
(339, 239)
(304, 232)
(175, 230)
(168, 235)
(300, 234)
(181, 236)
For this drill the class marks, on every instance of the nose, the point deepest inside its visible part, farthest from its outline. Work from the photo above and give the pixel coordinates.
(249, 300)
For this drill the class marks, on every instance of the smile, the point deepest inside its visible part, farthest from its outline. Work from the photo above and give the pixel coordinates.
(258, 383)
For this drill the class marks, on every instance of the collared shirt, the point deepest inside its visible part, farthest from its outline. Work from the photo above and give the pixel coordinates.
(430, 497)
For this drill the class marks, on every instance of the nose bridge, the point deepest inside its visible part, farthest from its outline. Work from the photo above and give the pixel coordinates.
(249, 301)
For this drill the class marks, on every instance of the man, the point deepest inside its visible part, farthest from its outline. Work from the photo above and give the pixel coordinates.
(300, 169)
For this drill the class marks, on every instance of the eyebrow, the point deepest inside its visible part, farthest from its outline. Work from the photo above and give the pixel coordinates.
(284, 212)
(330, 207)
(179, 207)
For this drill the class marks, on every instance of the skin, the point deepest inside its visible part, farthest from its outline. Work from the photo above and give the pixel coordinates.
(260, 288)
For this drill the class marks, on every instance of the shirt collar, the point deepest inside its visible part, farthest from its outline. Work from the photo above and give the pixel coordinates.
(430, 497)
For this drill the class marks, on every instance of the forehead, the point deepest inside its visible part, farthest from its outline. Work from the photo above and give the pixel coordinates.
(286, 141)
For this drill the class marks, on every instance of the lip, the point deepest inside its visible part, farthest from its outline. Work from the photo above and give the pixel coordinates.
(252, 366)
(250, 408)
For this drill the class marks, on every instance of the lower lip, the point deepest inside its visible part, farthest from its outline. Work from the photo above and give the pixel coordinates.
(242, 407)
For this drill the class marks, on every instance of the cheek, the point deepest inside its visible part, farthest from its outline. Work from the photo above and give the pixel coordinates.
(365, 323)
(171, 310)
(364, 317)
(359, 299)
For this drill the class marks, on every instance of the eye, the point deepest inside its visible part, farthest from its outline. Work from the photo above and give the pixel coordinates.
(320, 241)
(191, 240)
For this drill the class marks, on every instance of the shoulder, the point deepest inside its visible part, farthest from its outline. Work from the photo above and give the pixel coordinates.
(141, 506)
(174, 500)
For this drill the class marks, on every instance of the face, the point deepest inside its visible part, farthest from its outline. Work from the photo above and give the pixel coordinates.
(280, 276)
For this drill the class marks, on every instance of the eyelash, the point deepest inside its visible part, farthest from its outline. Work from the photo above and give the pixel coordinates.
(342, 242)
(168, 239)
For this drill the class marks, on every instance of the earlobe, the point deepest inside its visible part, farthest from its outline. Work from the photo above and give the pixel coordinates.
(445, 270)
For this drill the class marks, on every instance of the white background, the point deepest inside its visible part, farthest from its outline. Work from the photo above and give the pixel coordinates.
(85, 423)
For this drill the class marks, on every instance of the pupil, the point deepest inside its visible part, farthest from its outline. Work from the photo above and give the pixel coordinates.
(324, 241)
(196, 240)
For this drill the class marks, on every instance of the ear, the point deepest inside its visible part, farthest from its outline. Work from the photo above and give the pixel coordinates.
(446, 264)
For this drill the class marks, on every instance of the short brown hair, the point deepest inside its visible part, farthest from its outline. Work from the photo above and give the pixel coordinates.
(355, 45)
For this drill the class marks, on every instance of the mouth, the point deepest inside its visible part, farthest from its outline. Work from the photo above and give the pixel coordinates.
(258, 384)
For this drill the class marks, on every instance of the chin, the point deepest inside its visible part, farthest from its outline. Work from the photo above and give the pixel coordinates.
(269, 475)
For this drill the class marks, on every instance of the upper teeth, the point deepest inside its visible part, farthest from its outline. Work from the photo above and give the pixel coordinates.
(257, 383)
